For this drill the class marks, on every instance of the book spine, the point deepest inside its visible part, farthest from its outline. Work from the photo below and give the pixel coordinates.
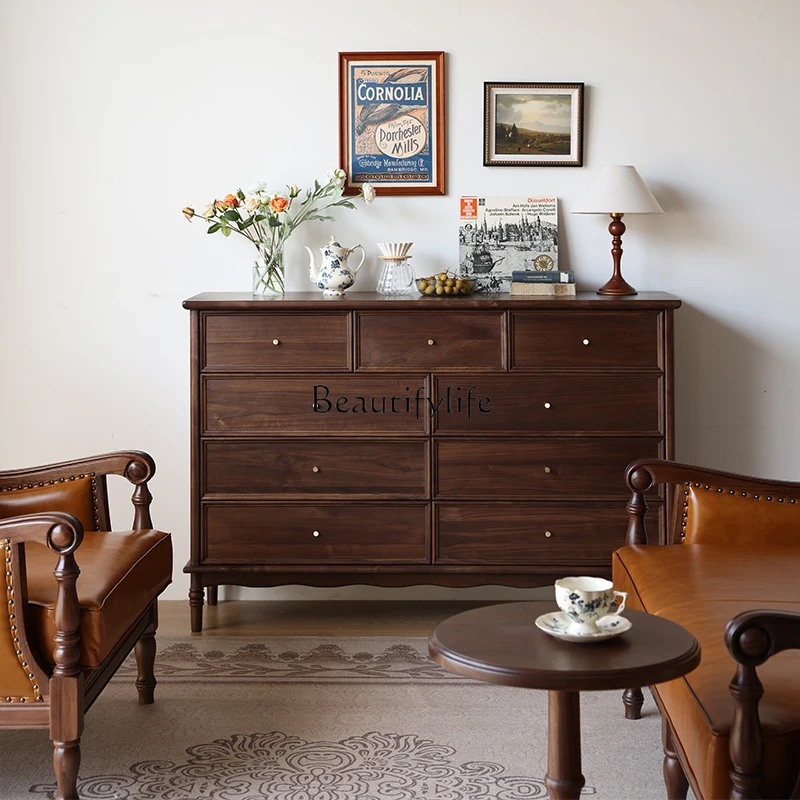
(543, 289)
(544, 277)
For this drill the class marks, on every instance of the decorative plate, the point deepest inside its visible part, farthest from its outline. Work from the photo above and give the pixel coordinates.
(557, 623)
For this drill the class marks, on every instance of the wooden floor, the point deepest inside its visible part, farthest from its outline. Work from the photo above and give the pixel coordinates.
(311, 618)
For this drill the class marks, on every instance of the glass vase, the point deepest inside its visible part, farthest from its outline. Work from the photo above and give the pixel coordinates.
(269, 278)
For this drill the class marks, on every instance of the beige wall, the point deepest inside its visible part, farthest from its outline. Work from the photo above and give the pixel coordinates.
(115, 115)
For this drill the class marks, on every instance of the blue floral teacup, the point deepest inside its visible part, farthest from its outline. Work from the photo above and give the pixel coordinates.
(586, 600)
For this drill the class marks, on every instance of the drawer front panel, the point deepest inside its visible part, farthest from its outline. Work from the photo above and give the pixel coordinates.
(587, 340)
(538, 469)
(347, 534)
(350, 468)
(339, 404)
(457, 341)
(527, 533)
(277, 342)
(549, 404)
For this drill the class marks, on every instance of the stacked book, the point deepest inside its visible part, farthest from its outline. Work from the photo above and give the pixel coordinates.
(543, 284)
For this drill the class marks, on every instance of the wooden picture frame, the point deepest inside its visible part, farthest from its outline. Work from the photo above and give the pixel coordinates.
(392, 121)
(550, 129)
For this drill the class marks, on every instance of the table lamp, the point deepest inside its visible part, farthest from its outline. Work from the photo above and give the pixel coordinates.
(617, 190)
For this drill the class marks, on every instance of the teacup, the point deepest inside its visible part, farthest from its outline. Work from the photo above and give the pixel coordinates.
(586, 600)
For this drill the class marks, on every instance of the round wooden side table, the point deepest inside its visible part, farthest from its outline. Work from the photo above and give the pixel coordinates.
(501, 644)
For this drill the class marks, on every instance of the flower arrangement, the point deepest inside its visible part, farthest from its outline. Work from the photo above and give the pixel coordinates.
(268, 220)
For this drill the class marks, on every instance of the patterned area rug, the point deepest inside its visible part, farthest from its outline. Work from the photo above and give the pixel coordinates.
(328, 719)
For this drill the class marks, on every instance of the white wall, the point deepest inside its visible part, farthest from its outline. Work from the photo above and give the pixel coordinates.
(116, 115)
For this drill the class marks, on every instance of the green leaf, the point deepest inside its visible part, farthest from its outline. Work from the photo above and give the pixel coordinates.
(243, 226)
(214, 228)
(345, 204)
(232, 215)
(260, 217)
(226, 231)
(316, 186)
(240, 195)
(274, 222)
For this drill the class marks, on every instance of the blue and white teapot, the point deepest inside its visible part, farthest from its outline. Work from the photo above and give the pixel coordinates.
(334, 275)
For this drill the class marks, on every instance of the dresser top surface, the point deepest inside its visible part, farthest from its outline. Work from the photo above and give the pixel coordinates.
(293, 301)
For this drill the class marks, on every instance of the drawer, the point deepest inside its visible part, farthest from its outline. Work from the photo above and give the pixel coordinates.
(237, 533)
(529, 534)
(353, 469)
(352, 404)
(537, 468)
(588, 340)
(277, 342)
(519, 403)
(457, 341)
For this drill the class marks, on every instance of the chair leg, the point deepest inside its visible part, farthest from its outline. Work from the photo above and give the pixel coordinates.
(145, 661)
(633, 700)
(66, 762)
(196, 595)
(674, 777)
(212, 595)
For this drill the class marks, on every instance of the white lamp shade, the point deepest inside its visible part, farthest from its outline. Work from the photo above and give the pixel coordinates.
(618, 190)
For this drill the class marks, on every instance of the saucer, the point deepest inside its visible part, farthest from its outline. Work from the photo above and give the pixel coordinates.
(557, 623)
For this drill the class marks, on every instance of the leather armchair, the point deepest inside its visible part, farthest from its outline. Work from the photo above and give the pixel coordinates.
(79, 597)
(728, 574)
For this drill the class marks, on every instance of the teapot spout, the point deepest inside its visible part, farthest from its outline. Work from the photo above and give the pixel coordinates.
(313, 270)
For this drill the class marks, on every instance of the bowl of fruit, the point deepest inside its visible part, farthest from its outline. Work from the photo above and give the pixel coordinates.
(444, 283)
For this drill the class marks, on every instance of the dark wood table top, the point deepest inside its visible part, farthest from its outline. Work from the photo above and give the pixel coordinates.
(501, 644)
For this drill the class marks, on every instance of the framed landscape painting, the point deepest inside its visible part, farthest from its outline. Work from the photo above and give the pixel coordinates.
(533, 125)
(391, 121)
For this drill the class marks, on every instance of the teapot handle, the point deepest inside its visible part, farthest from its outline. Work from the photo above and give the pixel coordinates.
(363, 256)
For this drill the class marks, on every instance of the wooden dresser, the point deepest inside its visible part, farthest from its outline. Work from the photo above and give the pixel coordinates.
(317, 459)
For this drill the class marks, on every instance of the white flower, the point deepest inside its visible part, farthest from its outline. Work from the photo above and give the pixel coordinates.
(294, 190)
(257, 186)
(251, 204)
(368, 190)
(337, 177)
(208, 211)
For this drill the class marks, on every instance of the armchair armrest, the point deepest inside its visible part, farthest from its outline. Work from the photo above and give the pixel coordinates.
(134, 465)
(642, 475)
(751, 638)
(63, 534)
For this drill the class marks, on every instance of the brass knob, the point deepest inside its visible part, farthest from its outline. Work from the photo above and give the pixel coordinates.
(315, 469)
(276, 341)
(586, 341)
(430, 341)
(547, 470)
(547, 405)
(315, 534)
(548, 534)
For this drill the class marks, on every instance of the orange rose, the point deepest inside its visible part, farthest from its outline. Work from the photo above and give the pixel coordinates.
(188, 212)
(230, 201)
(278, 204)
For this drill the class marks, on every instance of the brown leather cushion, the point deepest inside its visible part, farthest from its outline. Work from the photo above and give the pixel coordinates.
(121, 574)
(702, 587)
(715, 516)
(74, 497)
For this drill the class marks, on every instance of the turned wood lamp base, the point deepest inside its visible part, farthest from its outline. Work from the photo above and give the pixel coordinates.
(617, 285)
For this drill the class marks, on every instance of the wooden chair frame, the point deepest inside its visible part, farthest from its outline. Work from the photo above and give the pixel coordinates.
(751, 637)
(60, 694)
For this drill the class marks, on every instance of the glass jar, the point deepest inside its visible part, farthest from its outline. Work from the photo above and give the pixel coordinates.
(397, 276)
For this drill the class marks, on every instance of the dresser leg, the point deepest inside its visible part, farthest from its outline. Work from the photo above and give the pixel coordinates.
(196, 594)
(564, 779)
(211, 593)
(633, 699)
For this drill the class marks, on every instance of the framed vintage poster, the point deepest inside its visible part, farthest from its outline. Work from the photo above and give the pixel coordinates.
(533, 124)
(391, 121)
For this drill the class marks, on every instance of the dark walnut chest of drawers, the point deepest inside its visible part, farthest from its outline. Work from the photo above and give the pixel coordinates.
(401, 441)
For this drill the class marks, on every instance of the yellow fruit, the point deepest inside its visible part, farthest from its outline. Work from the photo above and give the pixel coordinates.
(442, 276)
(449, 282)
(430, 290)
(440, 290)
(423, 285)
(448, 290)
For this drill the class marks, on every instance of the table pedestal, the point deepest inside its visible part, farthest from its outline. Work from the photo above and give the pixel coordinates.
(564, 779)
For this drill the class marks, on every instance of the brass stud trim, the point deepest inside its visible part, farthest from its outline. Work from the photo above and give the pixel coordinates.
(37, 696)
